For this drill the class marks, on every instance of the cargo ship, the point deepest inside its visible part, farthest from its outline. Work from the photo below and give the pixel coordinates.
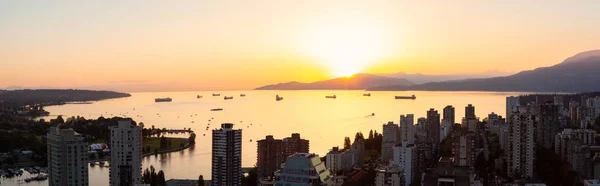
(216, 94)
(332, 97)
(226, 98)
(242, 95)
(367, 94)
(406, 97)
(216, 109)
(163, 100)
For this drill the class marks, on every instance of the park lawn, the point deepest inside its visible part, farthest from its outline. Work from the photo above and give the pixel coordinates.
(154, 143)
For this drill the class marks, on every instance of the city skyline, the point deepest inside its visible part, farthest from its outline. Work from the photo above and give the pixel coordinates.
(130, 46)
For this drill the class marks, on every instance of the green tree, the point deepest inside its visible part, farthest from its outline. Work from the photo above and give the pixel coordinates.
(200, 180)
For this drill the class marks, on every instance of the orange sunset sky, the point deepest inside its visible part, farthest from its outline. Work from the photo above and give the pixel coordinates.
(225, 45)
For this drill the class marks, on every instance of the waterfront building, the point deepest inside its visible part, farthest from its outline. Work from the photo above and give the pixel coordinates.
(67, 158)
(303, 169)
(125, 154)
(226, 156)
(269, 158)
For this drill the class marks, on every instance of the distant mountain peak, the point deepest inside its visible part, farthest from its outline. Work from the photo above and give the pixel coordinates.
(582, 56)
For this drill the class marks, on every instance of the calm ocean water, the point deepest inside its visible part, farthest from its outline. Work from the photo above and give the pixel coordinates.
(325, 122)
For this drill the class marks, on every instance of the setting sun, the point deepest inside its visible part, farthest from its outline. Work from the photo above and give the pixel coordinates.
(346, 50)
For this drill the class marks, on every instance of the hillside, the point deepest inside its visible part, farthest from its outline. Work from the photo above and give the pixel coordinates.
(576, 74)
(55, 96)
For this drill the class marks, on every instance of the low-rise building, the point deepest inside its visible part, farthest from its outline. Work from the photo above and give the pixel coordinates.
(389, 175)
(337, 160)
(303, 169)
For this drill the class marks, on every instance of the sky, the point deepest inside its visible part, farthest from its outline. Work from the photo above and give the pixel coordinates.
(231, 45)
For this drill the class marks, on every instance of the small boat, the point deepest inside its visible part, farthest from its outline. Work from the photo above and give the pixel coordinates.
(278, 98)
(332, 97)
(198, 96)
(242, 95)
(216, 94)
(216, 109)
(367, 94)
(226, 98)
(373, 114)
(163, 100)
(406, 97)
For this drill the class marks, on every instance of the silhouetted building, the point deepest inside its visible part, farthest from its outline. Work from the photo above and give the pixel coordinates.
(548, 125)
(407, 128)
(449, 115)
(226, 156)
(270, 157)
(469, 111)
(432, 126)
(294, 144)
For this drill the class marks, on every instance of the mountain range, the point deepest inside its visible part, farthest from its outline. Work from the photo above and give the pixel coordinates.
(579, 73)
(354, 82)
(425, 78)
